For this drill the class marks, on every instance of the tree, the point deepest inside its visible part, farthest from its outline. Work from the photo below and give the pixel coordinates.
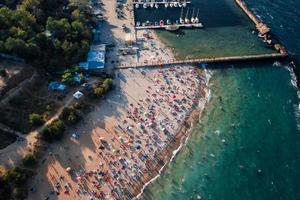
(15, 45)
(98, 92)
(59, 28)
(36, 120)
(29, 160)
(53, 131)
(3, 73)
(69, 115)
(107, 84)
(67, 77)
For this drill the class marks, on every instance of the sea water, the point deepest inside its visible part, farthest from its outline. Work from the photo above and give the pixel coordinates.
(247, 143)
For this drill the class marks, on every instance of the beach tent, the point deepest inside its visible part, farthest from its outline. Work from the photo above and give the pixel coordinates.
(77, 95)
(57, 86)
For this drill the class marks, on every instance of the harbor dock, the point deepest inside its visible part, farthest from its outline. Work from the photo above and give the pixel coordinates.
(160, 2)
(171, 26)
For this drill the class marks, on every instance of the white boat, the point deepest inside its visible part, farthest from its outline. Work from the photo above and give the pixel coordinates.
(156, 5)
(186, 20)
(138, 23)
(180, 5)
(166, 5)
(184, 4)
(168, 22)
(193, 19)
(152, 5)
(176, 4)
(196, 21)
(137, 5)
(145, 5)
(181, 20)
(171, 5)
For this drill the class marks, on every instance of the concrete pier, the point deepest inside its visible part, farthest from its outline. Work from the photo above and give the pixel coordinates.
(206, 60)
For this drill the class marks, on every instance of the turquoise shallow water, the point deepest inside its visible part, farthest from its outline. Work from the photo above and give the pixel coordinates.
(246, 145)
(253, 111)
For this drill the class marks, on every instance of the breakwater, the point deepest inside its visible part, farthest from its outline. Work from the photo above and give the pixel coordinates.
(262, 28)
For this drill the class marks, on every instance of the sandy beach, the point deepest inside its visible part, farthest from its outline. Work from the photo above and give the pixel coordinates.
(131, 133)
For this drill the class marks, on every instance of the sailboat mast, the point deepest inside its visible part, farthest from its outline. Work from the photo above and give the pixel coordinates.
(197, 13)
(193, 12)
(181, 15)
(187, 13)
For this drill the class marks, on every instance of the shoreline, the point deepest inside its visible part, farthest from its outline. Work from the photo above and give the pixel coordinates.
(182, 137)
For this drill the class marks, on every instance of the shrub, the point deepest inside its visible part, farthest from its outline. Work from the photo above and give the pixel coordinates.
(36, 120)
(53, 131)
(98, 92)
(69, 116)
(67, 77)
(30, 160)
(15, 176)
(3, 73)
(108, 82)
(13, 184)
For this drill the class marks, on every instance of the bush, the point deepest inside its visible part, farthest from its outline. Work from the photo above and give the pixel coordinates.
(69, 116)
(15, 176)
(13, 184)
(98, 92)
(3, 73)
(53, 131)
(36, 120)
(100, 89)
(30, 160)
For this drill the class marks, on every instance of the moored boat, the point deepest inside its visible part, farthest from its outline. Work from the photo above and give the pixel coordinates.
(193, 19)
(161, 23)
(196, 21)
(187, 20)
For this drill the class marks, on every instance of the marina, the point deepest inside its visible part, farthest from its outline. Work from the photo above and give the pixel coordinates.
(186, 22)
(156, 4)
(170, 27)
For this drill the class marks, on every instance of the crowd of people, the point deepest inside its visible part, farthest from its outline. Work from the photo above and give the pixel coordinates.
(139, 140)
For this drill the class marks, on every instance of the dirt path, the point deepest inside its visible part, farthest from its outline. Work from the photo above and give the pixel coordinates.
(13, 154)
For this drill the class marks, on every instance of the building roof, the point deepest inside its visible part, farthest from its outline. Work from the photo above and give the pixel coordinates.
(96, 58)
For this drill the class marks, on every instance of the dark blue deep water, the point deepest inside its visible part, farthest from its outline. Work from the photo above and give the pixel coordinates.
(247, 143)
